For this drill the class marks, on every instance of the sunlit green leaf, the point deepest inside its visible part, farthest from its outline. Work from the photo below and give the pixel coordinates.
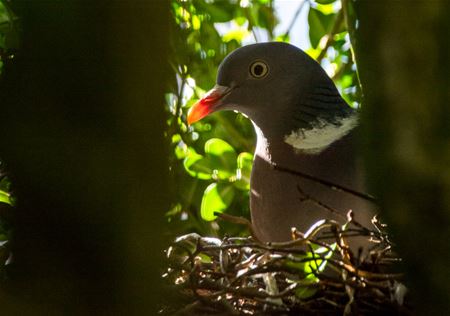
(313, 52)
(216, 198)
(222, 157)
(309, 265)
(183, 14)
(307, 287)
(176, 209)
(319, 25)
(204, 258)
(218, 147)
(283, 38)
(181, 150)
(5, 197)
(196, 22)
(176, 138)
(237, 34)
(240, 20)
(244, 163)
(325, 1)
(319, 254)
(198, 166)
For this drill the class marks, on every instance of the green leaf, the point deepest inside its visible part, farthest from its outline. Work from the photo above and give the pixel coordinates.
(222, 157)
(5, 197)
(175, 210)
(9, 35)
(218, 147)
(319, 256)
(4, 18)
(5, 184)
(219, 161)
(180, 151)
(196, 23)
(319, 25)
(198, 166)
(216, 198)
(325, 1)
(244, 163)
(310, 264)
(313, 52)
(205, 258)
(237, 35)
(307, 288)
(265, 18)
(240, 20)
(220, 11)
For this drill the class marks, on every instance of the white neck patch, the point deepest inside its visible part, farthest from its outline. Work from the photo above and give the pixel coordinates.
(321, 135)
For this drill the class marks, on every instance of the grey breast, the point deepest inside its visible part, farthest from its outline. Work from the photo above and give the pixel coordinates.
(277, 200)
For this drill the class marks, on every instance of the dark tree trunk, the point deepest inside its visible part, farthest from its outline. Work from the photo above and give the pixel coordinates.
(403, 57)
(82, 122)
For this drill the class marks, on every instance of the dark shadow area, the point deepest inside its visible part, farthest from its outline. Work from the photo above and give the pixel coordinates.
(82, 119)
(403, 58)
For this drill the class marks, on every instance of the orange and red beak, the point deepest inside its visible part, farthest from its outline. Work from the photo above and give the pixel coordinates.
(207, 104)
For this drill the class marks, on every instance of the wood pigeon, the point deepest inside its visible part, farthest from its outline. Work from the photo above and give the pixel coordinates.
(302, 124)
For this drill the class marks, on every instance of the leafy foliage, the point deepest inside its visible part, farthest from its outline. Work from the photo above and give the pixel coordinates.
(9, 34)
(6, 202)
(8, 43)
(5, 196)
(212, 159)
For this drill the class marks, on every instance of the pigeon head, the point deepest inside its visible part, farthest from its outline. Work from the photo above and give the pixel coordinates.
(278, 86)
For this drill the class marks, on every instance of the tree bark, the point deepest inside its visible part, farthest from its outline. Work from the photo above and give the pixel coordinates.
(403, 59)
(82, 123)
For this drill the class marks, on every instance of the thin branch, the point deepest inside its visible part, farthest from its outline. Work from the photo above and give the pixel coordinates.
(330, 36)
(238, 220)
(294, 19)
(329, 184)
(307, 197)
(338, 74)
(351, 32)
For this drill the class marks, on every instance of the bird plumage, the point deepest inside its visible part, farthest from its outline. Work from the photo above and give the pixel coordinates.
(302, 123)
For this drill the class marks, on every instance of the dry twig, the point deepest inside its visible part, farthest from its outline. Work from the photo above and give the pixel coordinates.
(307, 276)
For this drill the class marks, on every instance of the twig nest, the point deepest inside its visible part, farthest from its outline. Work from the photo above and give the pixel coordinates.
(314, 274)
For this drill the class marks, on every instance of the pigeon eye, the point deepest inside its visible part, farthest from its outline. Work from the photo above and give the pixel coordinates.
(259, 69)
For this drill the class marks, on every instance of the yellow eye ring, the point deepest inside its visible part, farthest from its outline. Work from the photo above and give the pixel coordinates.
(258, 69)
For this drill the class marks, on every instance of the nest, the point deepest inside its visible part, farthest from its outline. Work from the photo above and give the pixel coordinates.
(316, 273)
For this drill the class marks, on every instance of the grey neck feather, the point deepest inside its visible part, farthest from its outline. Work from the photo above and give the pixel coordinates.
(321, 135)
(317, 120)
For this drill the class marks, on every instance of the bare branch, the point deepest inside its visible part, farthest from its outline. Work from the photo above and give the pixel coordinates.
(329, 184)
